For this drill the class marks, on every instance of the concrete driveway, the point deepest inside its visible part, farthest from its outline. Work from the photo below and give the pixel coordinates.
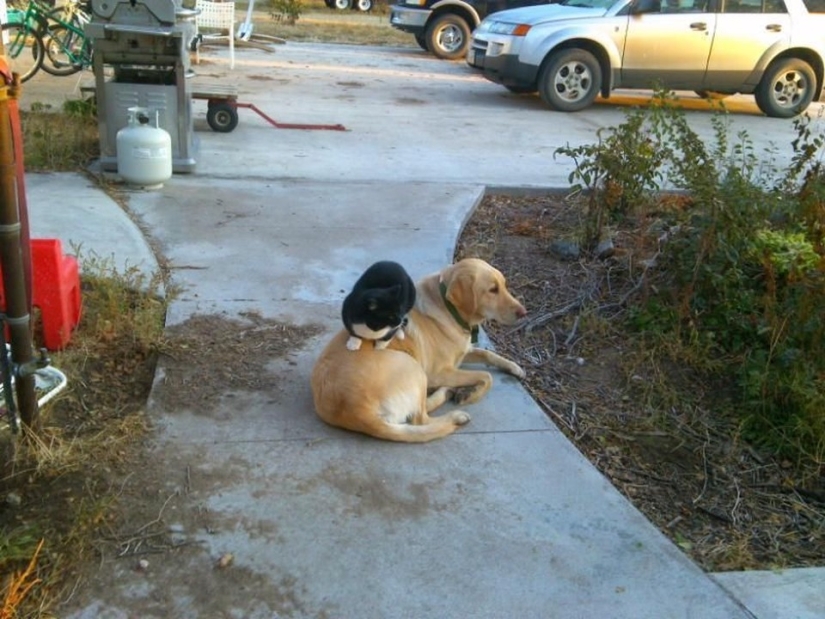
(503, 519)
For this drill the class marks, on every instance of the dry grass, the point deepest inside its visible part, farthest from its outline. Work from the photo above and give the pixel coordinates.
(19, 585)
(56, 483)
(318, 24)
(59, 140)
(322, 31)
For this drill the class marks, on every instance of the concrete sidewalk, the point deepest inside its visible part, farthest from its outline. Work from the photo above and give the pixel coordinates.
(504, 518)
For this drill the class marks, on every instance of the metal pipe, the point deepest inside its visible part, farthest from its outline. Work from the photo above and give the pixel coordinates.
(12, 246)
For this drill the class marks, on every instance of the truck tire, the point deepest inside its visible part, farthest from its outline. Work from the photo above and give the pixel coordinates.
(570, 80)
(448, 37)
(786, 89)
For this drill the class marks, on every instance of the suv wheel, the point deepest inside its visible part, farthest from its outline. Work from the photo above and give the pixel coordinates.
(570, 80)
(364, 5)
(343, 5)
(786, 89)
(448, 37)
(422, 42)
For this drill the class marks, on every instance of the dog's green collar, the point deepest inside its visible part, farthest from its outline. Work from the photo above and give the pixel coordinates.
(473, 331)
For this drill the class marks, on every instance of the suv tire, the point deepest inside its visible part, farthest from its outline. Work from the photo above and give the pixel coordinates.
(448, 37)
(422, 42)
(786, 88)
(343, 5)
(570, 80)
(365, 6)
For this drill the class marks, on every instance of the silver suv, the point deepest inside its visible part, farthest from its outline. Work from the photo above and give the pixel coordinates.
(574, 50)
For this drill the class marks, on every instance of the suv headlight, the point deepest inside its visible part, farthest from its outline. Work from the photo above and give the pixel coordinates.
(499, 27)
(414, 2)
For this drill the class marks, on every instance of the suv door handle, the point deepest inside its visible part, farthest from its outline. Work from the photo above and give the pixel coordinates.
(699, 25)
(774, 27)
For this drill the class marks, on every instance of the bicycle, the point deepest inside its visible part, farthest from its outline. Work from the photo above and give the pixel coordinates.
(23, 44)
(67, 48)
(63, 47)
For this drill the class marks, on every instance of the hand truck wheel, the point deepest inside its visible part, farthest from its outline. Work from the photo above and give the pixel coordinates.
(222, 117)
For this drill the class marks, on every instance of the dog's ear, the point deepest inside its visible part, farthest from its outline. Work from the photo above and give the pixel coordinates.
(461, 293)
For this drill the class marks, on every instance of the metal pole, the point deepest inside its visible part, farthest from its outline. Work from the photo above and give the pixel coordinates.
(13, 244)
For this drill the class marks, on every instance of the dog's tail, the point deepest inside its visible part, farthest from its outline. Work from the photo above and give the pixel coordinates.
(435, 427)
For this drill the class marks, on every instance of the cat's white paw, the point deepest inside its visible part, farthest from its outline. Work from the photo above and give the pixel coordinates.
(400, 334)
(353, 343)
(460, 418)
(381, 344)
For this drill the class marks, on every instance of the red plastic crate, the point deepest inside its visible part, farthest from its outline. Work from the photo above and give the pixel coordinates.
(55, 291)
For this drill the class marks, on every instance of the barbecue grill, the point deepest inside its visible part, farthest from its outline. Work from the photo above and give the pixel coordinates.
(145, 43)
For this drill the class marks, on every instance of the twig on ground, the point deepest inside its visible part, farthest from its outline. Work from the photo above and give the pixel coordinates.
(572, 333)
(713, 514)
(734, 518)
(160, 513)
(540, 320)
(705, 471)
(642, 473)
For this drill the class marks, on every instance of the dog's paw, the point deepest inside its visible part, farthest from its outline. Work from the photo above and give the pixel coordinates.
(460, 395)
(460, 418)
(516, 370)
(354, 343)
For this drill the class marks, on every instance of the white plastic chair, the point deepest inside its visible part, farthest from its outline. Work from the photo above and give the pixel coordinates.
(216, 16)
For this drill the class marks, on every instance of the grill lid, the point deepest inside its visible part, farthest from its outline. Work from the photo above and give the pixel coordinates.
(136, 12)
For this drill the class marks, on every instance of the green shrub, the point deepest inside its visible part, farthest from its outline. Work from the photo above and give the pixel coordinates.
(741, 276)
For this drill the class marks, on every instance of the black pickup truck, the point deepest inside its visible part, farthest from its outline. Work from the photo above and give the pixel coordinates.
(443, 27)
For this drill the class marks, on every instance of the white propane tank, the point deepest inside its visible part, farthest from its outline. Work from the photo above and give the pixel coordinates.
(144, 152)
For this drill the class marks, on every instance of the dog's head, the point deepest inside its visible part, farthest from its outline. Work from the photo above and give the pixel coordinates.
(479, 292)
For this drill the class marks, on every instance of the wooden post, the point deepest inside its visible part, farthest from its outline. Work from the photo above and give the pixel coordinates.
(15, 253)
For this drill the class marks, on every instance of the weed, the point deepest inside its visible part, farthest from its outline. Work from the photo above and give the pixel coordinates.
(60, 141)
(287, 11)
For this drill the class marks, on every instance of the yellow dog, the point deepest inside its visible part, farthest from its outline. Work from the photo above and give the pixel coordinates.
(383, 393)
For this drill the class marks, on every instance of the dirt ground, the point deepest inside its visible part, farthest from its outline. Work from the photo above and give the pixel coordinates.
(678, 457)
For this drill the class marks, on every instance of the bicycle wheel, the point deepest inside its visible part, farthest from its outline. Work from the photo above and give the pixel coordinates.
(64, 51)
(24, 49)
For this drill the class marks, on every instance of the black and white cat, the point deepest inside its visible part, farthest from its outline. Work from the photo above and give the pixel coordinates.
(378, 305)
